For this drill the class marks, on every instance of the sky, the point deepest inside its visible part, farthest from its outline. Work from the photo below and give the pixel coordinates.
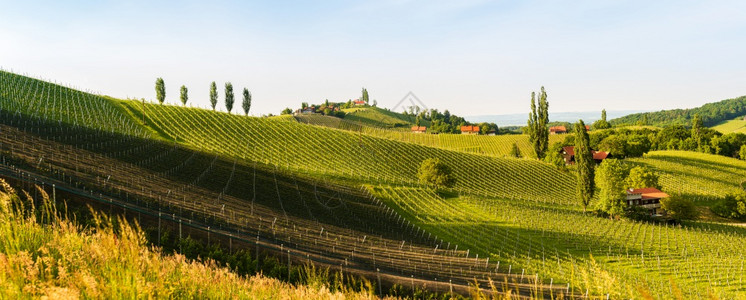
(472, 57)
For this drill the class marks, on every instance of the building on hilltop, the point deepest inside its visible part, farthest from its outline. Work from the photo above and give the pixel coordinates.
(470, 129)
(568, 153)
(562, 129)
(305, 111)
(419, 129)
(358, 102)
(648, 198)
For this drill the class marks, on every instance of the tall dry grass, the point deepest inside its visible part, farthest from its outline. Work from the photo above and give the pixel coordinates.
(45, 255)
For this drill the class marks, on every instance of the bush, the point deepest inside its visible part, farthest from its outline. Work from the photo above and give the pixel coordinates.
(733, 206)
(435, 173)
(679, 208)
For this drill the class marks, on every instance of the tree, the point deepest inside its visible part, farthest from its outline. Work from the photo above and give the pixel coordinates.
(160, 90)
(537, 124)
(364, 96)
(515, 151)
(184, 95)
(229, 96)
(246, 101)
(733, 205)
(286, 111)
(610, 181)
(641, 177)
(585, 165)
(213, 95)
(679, 208)
(697, 131)
(742, 152)
(435, 173)
(602, 123)
(614, 144)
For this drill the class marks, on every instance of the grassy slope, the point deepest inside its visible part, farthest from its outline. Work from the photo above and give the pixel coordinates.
(736, 125)
(380, 118)
(62, 260)
(387, 164)
(497, 146)
(705, 178)
(351, 157)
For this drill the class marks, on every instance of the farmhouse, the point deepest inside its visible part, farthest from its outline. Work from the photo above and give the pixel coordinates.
(562, 129)
(568, 153)
(557, 130)
(419, 129)
(358, 102)
(648, 198)
(305, 110)
(469, 129)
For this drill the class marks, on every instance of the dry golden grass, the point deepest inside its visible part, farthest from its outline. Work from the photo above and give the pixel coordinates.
(56, 259)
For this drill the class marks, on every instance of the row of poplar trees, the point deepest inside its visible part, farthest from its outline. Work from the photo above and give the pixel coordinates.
(160, 93)
(538, 130)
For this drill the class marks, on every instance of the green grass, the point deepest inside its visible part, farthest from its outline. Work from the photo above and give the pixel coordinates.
(737, 125)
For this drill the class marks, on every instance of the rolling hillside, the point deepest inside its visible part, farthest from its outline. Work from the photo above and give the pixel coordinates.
(737, 125)
(350, 199)
(497, 146)
(711, 114)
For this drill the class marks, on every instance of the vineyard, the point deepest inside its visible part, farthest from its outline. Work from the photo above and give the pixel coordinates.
(497, 146)
(698, 175)
(594, 255)
(737, 125)
(345, 195)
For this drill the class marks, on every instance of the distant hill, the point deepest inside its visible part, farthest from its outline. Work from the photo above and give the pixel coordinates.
(711, 114)
(520, 119)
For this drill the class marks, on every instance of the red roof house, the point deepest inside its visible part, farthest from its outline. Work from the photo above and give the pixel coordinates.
(568, 152)
(419, 129)
(470, 129)
(358, 102)
(557, 129)
(649, 198)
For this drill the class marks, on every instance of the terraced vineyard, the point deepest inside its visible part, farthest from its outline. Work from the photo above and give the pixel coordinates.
(350, 200)
(699, 175)
(346, 156)
(594, 255)
(497, 146)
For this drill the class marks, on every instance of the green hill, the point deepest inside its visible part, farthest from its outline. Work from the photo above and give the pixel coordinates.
(737, 125)
(711, 114)
(351, 200)
(380, 118)
(498, 145)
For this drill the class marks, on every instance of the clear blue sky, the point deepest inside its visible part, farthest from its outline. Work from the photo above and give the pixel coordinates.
(472, 57)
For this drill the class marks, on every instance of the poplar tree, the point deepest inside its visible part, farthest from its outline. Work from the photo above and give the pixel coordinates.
(585, 165)
(697, 131)
(229, 96)
(213, 95)
(246, 101)
(184, 95)
(160, 90)
(537, 123)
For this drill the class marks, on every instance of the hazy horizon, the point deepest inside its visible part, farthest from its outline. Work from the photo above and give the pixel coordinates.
(471, 57)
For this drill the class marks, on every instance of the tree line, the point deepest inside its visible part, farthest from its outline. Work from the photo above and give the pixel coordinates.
(710, 114)
(160, 94)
